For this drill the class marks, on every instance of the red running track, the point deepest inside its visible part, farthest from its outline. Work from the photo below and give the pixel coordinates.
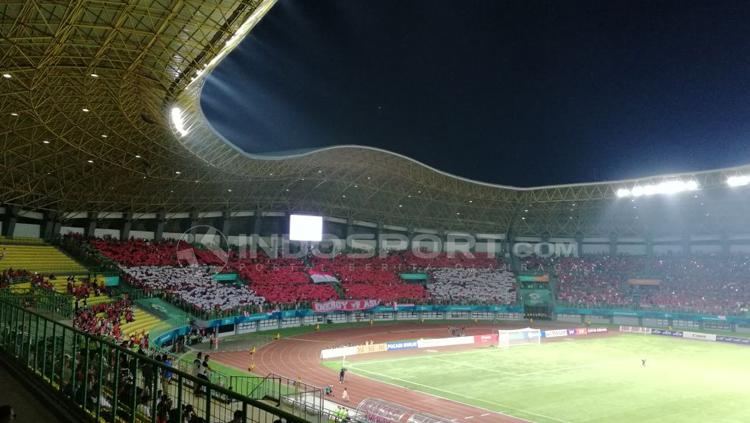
(299, 356)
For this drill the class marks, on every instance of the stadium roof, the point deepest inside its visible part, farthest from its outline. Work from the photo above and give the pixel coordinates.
(100, 111)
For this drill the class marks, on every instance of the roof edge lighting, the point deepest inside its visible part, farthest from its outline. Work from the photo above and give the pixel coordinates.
(666, 187)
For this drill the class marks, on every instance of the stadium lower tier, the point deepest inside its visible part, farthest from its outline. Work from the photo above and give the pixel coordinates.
(43, 259)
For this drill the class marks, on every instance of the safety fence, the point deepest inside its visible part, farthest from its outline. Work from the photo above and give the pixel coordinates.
(112, 383)
(43, 300)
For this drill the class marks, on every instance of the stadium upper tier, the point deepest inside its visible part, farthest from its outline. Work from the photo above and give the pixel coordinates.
(99, 111)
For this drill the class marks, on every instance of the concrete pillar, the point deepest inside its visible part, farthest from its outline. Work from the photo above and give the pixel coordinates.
(613, 244)
(378, 234)
(349, 227)
(193, 221)
(225, 227)
(410, 238)
(56, 227)
(127, 224)
(579, 243)
(48, 227)
(9, 221)
(649, 239)
(686, 243)
(90, 230)
(161, 219)
(725, 245)
(257, 219)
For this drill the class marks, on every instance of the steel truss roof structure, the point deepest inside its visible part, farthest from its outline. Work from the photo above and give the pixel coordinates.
(86, 124)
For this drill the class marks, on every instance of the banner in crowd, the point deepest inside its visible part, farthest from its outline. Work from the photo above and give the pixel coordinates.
(413, 276)
(321, 277)
(644, 282)
(344, 305)
(533, 278)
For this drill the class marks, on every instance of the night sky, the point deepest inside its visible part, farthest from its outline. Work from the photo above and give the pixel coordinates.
(522, 93)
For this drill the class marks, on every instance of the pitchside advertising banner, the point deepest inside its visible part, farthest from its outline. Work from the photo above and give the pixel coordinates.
(344, 305)
(699, 336)
(401, 345)
(687, 335)
(445, 342)
(371, 348)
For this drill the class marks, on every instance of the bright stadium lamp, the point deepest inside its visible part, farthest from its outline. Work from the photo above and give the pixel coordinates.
(666, 187)
(179, 124)
(738, 181)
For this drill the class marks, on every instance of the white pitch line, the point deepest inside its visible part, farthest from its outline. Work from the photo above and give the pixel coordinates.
(463, 396)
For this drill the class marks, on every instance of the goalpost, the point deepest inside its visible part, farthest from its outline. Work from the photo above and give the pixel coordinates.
(515, 337)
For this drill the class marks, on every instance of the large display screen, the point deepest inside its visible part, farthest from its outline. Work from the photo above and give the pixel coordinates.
(305, 228)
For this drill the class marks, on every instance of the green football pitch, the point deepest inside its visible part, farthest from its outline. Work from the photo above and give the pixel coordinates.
(585, 380)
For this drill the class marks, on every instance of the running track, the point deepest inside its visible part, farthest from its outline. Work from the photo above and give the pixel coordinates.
(299, 356)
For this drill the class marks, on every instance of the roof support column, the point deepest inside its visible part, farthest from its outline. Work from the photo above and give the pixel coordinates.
(226, 225)
(193, 223)
(48, 227)
(127, 224)
(9, 221)
(349, 227)
(378, 238)
(613, 244)
(649, 239)
(257, 218)
(90, 230)
(725, 245)
(161, 219)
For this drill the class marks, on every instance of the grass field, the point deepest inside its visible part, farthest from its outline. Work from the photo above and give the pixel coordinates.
(585, 380)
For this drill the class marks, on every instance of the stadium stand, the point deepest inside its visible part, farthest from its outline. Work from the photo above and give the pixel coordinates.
(472, 286)
(374, 278)
(281, 281)
(38, 258)
(138, 252)
(426, 260)
(715, 284)
(194, 287)
(81, 288)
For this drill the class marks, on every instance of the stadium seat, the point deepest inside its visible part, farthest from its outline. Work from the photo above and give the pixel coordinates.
(43, 259)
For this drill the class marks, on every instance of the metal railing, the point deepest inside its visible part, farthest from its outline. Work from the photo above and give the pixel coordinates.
(43, 300)
(112, 383)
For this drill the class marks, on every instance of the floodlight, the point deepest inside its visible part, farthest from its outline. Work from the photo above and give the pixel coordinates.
(179, 125)
(738, 181)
